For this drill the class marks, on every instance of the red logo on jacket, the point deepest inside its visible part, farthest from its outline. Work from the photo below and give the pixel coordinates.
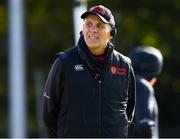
(118, 70)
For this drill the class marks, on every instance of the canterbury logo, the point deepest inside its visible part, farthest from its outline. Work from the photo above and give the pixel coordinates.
(79, 67)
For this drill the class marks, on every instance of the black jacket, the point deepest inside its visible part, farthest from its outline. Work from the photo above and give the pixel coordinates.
(86, 98)
(146, 114)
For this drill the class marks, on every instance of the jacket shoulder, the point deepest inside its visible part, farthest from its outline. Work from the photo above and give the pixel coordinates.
(122, 57)
(144, 86)
(68, 53)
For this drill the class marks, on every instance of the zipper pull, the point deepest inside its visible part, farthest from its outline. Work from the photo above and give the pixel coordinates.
(99, 81)
(97, 76)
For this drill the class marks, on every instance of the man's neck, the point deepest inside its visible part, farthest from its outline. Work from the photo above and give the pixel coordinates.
(97, 51)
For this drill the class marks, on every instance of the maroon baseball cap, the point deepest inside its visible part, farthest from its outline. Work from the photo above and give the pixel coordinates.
(103, 12)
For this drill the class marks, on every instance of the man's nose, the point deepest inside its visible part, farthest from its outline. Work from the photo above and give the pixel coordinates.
(94, 29)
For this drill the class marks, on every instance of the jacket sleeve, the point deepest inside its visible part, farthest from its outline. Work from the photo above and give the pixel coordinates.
(144, 114)
(131, 97)
(131, 104)
(51, 97)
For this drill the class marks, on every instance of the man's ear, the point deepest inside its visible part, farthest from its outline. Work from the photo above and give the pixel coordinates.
(111, 37)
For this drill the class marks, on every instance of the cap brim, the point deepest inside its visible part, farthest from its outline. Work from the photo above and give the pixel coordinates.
(87, 13)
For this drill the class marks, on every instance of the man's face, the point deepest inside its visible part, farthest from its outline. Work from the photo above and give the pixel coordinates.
(96, 33)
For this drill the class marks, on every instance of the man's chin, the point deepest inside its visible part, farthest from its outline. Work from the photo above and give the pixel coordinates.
(92, 46)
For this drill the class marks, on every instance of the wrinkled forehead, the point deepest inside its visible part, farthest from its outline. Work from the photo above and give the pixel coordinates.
(95, 19)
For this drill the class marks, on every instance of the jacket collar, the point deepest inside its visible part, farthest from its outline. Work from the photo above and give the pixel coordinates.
(92, 61)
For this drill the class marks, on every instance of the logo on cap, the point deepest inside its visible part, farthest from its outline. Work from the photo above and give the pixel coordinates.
(103, 12)
(98, 10)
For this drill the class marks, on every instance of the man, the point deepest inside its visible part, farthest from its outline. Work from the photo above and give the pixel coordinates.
(147, 63)
(90, 90)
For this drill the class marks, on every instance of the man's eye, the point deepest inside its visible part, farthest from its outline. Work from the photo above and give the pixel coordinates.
(88, 24)
(101, 27)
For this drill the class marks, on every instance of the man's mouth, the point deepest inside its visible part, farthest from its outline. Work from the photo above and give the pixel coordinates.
(92, 37)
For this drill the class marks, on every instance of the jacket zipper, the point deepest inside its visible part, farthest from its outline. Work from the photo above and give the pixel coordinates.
(100, 114)
(99, 80)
